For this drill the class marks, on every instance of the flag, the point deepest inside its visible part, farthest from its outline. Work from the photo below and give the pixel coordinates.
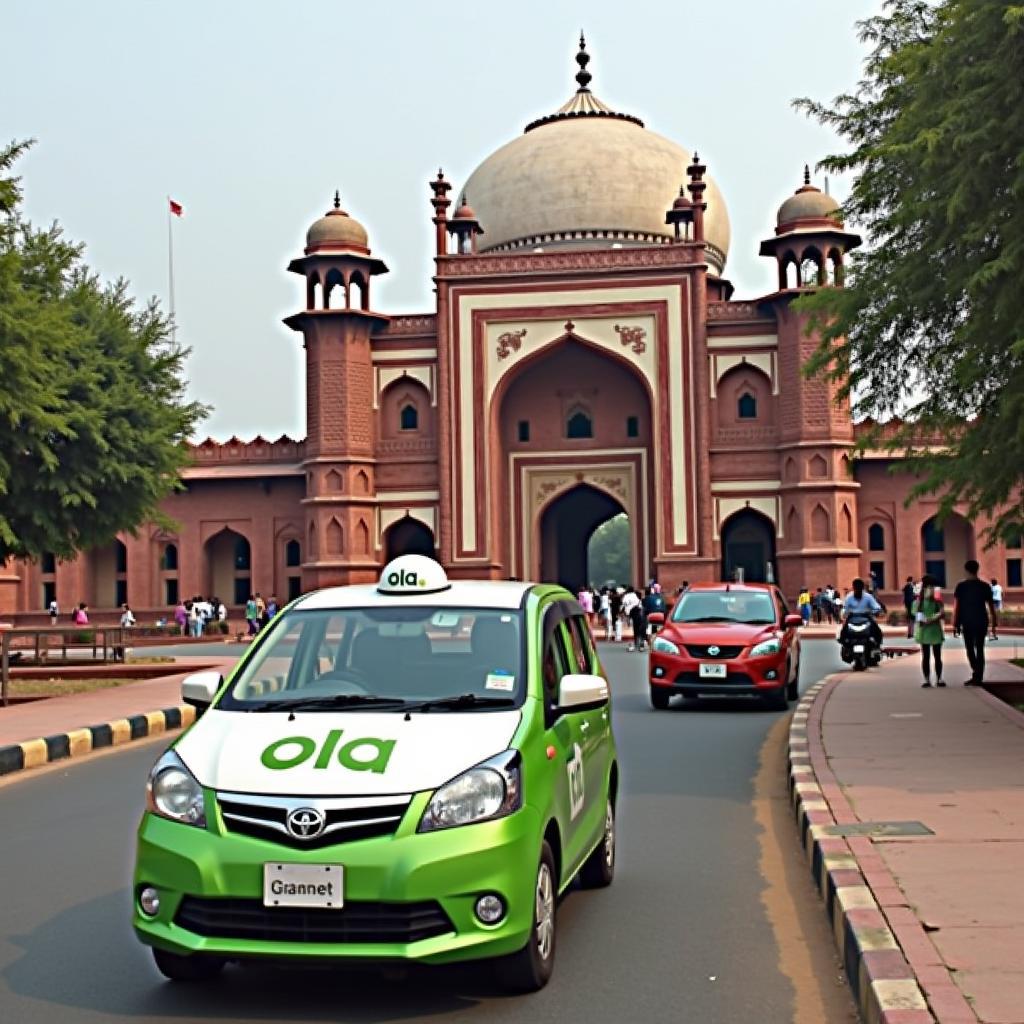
(176, 208)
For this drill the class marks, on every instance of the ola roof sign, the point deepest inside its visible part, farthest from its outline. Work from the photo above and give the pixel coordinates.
(412, 574)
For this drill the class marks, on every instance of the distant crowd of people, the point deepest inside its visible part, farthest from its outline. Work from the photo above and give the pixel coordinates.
(611, 607)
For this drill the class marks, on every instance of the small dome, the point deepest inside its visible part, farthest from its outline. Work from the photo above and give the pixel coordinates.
(808, 203)
(465, 211)
(336, 230)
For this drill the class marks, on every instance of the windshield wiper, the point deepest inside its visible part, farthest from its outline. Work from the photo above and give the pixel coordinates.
(707, 618)
(756, 622)
(327, 701)
(464, 700)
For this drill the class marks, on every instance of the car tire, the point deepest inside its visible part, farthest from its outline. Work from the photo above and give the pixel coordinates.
(793, 688)
(598, 869)
(778, 700)
(193, 968)
(530, 969)
(660, 698)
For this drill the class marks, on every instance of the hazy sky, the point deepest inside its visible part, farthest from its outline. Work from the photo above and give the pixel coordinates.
(251, 114)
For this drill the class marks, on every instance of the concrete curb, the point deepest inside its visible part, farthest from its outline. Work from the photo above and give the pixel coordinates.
(77, 742)
(895, 974)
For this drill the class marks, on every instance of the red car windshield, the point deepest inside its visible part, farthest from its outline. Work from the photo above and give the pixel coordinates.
(753, 608)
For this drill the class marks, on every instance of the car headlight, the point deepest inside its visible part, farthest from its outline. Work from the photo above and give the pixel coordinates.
(663, 646)
(490, 790)
(172, 792)
(772, 646)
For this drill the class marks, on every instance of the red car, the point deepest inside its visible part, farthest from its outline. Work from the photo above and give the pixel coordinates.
(727, 639)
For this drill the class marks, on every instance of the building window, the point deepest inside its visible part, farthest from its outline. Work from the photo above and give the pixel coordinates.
(1013, 572)
(48, 563)
(524, 430)
(294, 587)
(937, 568)
(747, 406)
(170, 559)
(242, 589)
(170, 591)
(292, 554)
(409, 418)
(932, 536)
(632, 426)
(876, 537)
(120, 559)
(50, 591)
(579, 425)
(878, 571)
(242, 559)
(1015, 540)
(121, 593)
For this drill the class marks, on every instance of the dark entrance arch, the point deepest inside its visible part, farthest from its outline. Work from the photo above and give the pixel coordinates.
(409, 536)
(566, 527)
(748, 543)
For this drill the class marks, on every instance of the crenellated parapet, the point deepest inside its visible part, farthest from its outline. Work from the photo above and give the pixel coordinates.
(235, 451)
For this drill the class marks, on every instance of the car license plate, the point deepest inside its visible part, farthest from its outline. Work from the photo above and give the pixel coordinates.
(858, 648)
(712, 672)
(304, 885)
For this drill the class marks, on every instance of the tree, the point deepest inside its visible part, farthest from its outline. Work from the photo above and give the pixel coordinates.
(92, 412)
(609, 553)
(928, 333)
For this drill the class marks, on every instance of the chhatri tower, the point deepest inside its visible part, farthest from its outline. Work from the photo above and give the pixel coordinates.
(585, 357)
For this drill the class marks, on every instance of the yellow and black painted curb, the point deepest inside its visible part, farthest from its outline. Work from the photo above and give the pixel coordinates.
(881, 980)
(17, 757)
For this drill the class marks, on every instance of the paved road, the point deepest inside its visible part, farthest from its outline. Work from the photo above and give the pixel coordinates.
(711, 917)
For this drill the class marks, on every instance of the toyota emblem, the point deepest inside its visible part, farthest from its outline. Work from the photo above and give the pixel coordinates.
(714, 650)
(305, 822)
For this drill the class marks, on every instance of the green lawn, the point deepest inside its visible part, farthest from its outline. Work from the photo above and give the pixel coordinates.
(56, 687)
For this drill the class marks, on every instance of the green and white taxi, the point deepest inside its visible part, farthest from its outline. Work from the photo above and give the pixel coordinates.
(407, 771)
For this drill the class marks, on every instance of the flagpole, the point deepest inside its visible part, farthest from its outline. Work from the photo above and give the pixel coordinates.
(170, 270)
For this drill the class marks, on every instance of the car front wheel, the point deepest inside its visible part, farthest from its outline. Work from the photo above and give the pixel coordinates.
(530, 969)
(660, 698)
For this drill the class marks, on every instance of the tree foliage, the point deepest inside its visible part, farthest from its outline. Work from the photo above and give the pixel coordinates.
(93, 417)
(928, 334)
(609, 553)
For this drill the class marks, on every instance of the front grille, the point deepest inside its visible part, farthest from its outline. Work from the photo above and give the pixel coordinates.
(732, 679)
(701, 651)
(355, 922)
(347, 819)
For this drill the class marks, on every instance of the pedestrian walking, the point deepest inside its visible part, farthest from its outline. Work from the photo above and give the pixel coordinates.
(616, 598)
(803, 604)
(604, 609)
(252, 615)
(54, 611)
(586, 600)
(997, 603)
(271, 607)
(630, 602)
(927, 613)
(80, 616)
(973, 610)
(127, 621)
(909, 596)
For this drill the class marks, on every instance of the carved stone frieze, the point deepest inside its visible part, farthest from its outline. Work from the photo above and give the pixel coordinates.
(633, 336)
(509, 342)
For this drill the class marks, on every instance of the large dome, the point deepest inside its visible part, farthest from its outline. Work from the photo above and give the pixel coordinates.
(586, 177)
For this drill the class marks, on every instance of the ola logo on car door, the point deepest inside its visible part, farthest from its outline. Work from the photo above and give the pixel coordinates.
(576, 789)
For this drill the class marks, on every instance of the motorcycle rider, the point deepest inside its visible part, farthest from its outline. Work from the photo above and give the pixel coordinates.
(859, 606)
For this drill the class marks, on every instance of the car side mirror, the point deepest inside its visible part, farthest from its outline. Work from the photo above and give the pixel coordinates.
(576, 692)
(199, 688)
(792, 620)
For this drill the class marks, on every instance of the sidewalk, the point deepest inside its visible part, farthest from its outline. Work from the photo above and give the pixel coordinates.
(39, 731)
(875, 747)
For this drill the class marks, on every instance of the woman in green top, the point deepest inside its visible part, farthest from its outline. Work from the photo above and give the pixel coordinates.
(929, 630)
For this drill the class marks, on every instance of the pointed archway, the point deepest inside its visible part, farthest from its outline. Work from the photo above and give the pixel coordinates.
(566, 526)
(748, 547)
(408, 536)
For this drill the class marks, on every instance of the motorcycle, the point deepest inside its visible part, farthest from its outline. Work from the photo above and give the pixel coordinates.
(859, 646)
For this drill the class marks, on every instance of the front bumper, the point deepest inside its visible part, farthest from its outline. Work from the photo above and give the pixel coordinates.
(745, 676)
(389, 878)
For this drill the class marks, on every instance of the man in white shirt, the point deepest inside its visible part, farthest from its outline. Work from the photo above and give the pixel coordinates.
(997, 603)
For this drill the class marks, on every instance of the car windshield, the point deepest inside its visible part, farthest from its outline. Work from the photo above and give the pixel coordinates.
(754, 607)
(414, 657)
